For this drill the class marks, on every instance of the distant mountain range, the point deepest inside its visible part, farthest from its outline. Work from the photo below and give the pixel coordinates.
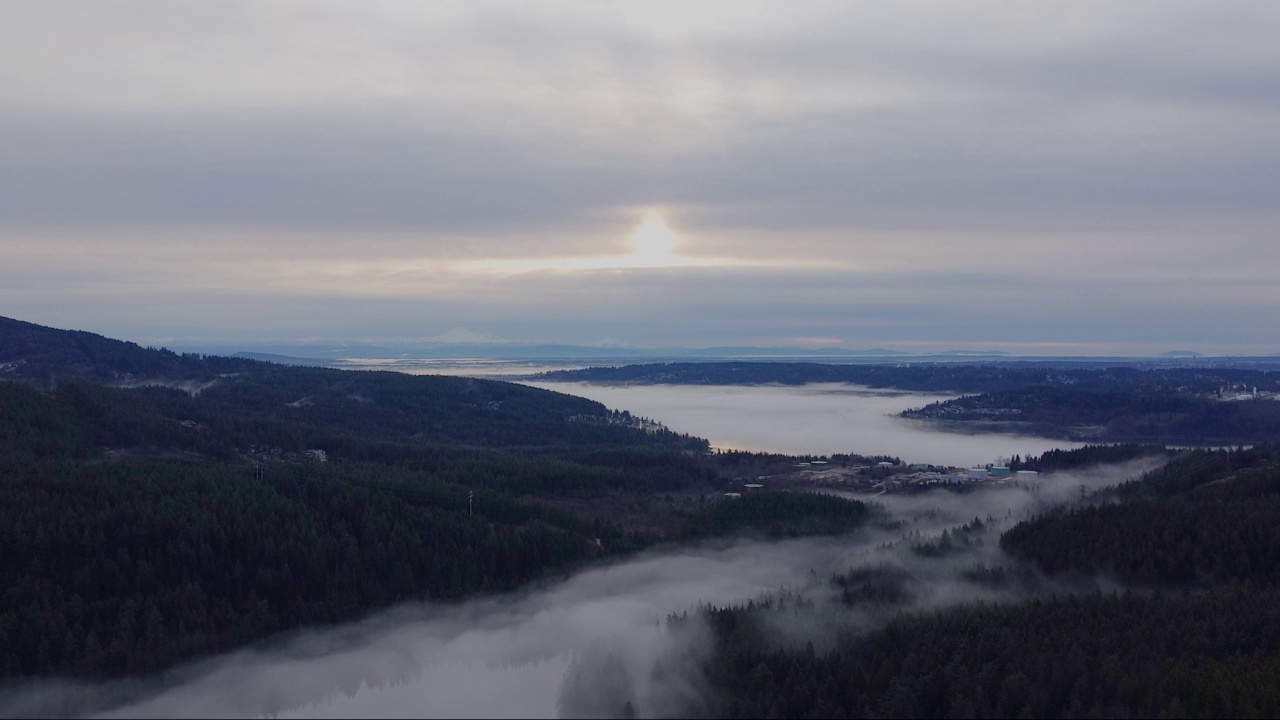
(75, 348)
(329, 352)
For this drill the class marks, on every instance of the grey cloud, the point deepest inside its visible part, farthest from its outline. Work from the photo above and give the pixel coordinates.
(1002, 153)
(284, 172)
(855, 131)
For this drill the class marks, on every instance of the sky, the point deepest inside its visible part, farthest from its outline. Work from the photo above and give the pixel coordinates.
(1047, 178)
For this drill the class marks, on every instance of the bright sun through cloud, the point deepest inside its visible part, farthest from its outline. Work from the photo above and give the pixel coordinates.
(653, 240)
(653, 246)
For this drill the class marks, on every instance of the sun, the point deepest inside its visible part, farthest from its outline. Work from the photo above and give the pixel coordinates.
(653, 240)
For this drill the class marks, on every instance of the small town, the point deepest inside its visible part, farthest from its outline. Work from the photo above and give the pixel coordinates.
(889, 477)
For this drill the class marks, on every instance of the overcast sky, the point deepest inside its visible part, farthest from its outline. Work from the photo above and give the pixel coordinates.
(1062, 177)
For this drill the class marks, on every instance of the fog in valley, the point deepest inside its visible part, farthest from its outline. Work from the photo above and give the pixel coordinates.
(595, 641)
(814, 419)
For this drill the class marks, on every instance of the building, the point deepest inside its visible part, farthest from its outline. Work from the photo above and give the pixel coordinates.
(1028, 475)
(976, 474)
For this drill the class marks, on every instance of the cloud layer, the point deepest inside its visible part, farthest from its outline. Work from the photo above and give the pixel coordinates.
(1082, 172)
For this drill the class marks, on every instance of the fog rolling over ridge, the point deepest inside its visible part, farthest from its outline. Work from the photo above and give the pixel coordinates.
(514, 656)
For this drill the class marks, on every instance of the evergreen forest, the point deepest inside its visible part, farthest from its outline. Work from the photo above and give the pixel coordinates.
(158, 507)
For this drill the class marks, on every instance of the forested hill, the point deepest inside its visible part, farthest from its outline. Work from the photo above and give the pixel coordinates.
(1204, 519)
(1198, 539)
(926, 378)
(203, 503)
(42, 354)
(157, 507)
(303, 406)
(930, 377)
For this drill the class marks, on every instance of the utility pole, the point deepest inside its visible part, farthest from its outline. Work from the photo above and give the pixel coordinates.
(471, 496)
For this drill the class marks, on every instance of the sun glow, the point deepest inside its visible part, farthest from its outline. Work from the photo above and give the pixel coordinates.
(653, 240)
(653, 247)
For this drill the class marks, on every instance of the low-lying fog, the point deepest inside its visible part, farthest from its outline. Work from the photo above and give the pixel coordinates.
(509, 656)
(816, 419)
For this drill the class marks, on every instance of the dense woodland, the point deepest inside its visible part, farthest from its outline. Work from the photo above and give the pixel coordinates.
(1207, 519)
(143, 526)
(1171, 417)
(1056, 460)
(935, 377)
(36, 353)
(1195, 636)
(147, 525)
(779, 514)
(1113, 656)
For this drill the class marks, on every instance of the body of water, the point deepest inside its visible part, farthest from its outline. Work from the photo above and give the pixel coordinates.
(817, 419)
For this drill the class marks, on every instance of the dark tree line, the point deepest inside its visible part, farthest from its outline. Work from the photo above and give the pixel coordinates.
(1055, 460)
(119, 568)
(1165, 416)
(778, 514)
(1209, 518)
(41, 354)
(1203, 531)
(1092, 656)
(968, 377)
(143, 527)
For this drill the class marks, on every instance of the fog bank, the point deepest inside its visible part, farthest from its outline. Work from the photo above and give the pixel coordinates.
(493, 657)
(814, 419)
(555, 648)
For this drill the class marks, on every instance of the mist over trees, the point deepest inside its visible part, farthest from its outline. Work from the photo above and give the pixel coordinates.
(162, 508)
(150, 525)
(1194, 635)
